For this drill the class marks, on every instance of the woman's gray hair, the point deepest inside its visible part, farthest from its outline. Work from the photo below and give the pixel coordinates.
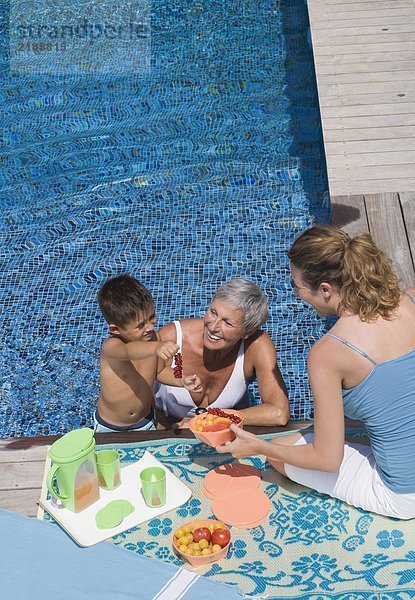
(246, 296)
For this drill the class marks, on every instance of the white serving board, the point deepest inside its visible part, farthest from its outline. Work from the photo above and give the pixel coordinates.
(82, 527)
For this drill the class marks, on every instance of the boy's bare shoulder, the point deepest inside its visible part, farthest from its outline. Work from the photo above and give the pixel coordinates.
(111, 344)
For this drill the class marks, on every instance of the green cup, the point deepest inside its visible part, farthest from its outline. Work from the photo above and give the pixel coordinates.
(153, 486)
(108, 469)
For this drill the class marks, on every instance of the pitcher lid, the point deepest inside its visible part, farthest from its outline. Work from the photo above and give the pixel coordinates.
(72, 445)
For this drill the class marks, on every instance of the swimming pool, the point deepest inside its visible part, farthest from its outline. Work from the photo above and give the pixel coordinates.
(199, 166)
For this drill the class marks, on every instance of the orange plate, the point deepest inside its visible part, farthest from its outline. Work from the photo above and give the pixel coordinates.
(199, 561)
(216, 438)
(243, 510)
(231, 478)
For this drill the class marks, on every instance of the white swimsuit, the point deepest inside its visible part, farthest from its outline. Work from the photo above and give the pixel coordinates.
(177, 401)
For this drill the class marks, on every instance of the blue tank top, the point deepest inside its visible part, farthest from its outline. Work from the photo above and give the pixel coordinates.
(385, 402)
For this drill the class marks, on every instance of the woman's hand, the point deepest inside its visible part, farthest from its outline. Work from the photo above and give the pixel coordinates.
(245, 444)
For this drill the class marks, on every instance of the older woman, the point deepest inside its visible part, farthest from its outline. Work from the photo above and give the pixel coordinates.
(363, 368)
(227, 351)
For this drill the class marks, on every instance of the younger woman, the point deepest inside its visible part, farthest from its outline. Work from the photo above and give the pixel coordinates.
(364, 369)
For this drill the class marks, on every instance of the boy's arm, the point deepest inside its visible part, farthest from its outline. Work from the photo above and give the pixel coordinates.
(117, 349)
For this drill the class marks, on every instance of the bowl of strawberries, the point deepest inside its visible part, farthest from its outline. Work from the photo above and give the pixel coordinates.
(213, 426)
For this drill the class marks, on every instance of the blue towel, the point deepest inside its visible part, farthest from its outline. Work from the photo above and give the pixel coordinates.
(39, 561)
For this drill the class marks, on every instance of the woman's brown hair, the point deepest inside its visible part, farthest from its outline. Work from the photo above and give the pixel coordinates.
(363, 273)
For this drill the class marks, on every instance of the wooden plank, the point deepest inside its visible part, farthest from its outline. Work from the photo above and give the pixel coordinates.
(385, 159)
(349, 213)
(350, 89)
(9, 453)
(381, 133)
(358, 6)
(369, 48)
(365, 67)
(334, 40)
(346, 188)
(388, 230)
(21, 475)
(368, 121)
(375, 76)
(328, 112)
(362, 99)
(344, 15)
(343, 2)
(321, 35)
(347, 148)
(407, 201)
(20, 501)
(348, 184)
(396, 172)
(372, 57)
(353, 23)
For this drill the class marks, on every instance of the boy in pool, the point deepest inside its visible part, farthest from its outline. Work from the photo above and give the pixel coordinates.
(132, 358)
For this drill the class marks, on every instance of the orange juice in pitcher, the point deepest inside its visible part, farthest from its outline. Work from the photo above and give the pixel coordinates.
(73, 476)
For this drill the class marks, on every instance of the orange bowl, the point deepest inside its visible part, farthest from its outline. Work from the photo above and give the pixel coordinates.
(199, 561)
(216, 438)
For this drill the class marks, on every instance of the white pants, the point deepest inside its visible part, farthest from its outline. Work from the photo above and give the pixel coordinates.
(357, 482)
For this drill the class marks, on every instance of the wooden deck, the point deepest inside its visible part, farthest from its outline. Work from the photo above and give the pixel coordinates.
(364, 55)
(389, 218)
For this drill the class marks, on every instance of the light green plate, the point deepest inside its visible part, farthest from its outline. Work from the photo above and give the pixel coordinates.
(113, 514)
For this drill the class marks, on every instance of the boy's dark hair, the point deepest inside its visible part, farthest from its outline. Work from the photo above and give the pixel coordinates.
(123, 298)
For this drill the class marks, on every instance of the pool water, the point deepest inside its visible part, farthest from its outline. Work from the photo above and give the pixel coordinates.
(200, 166)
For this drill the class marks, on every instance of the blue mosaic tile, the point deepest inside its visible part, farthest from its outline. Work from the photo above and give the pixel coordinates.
(202, 170)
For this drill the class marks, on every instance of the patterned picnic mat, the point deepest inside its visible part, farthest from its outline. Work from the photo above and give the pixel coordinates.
(310, 547)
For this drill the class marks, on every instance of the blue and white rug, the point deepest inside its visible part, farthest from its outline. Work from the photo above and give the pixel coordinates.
(310, 547)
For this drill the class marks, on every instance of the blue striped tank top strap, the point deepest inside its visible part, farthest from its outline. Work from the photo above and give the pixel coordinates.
(409, 296)
(349, 345)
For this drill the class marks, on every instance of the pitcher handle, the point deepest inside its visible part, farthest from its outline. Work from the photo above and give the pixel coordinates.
(49, 482)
